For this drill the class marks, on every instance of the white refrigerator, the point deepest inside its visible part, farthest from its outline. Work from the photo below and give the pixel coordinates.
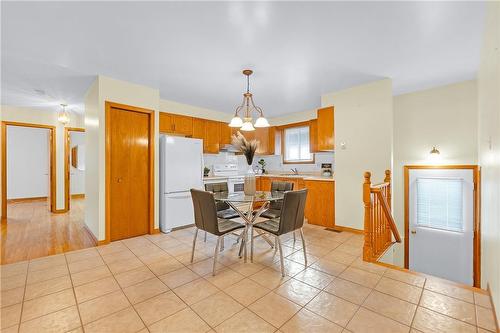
(181, 169)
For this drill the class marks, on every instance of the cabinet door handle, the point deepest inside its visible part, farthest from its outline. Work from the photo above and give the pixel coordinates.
(119, 180)
(414, 232)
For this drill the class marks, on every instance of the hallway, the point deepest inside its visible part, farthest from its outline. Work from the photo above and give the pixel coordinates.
(31, 231)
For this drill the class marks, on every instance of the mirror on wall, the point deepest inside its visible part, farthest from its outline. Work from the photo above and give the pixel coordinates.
(78, 157)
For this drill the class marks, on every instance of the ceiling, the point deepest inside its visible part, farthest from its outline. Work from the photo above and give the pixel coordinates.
(194, 52)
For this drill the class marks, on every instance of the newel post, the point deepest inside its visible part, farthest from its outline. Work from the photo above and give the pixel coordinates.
(389, 188)
(368, 246)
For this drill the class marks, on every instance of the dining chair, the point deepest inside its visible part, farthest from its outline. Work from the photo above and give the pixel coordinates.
(274, 209)
(291, 219)
(223, 209)
(205, 218)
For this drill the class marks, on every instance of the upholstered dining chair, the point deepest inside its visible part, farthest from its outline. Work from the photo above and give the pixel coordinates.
(274, 209)
(291, 219)
(223, 209)
(205, 218)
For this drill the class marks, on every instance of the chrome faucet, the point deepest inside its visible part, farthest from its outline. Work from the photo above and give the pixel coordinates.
(295, 171)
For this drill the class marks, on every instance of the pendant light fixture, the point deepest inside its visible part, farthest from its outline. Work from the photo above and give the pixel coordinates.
(248, 107)
(63, 116)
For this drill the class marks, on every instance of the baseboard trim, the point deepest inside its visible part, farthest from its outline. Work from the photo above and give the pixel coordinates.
(78, 196)
(90, 234)
(60, 211)
(155, 231)
(17, 200)
(353, 230)
(493, 307)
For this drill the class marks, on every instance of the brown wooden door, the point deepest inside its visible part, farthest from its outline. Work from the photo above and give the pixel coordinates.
(129, 173)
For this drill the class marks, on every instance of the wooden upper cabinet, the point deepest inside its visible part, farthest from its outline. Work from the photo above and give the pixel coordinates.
(176, 124)
(266, 138)
(198, 128)
(225, 133)
(182, 124)
(325, 129)
(313, 135)
(212, 137)
(166, 123)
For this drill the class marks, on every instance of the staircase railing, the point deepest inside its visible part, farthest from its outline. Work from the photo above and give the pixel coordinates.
(380, 229)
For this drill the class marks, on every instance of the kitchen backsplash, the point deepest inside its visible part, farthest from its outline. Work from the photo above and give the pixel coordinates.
(273, 162)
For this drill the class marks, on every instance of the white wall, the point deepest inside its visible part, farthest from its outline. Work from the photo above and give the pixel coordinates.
(102, 90)
(77, 176)
(363, 120)
(27, 162)
(295, 117)
(445, 117)
(489, 151)
(44, 117)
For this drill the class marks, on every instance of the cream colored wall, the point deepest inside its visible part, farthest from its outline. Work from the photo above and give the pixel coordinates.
(445, 117)
(194, 111)
(111, 90)
(45, 117)
(295, 117)
(92, 171)
(363, 120)
(489, 152)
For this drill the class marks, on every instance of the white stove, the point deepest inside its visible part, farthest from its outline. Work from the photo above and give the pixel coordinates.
(235, 183)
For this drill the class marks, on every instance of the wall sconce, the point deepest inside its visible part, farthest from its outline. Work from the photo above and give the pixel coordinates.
(434, 151)
(63, 116)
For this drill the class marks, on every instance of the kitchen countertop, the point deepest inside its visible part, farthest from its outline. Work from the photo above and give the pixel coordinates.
(276, 175)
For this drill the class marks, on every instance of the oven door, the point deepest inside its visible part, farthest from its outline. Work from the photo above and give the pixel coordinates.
(236, 184)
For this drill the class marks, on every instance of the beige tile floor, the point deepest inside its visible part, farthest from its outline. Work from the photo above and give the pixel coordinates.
(147, 284)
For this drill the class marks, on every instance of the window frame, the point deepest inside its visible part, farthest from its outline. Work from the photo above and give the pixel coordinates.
(283, 143)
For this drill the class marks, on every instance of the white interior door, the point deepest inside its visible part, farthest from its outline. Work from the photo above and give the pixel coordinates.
(441, 223)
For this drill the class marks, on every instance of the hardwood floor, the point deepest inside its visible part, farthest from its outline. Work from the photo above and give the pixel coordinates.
(31, 231)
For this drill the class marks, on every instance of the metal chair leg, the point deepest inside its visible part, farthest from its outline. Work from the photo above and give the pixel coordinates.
(194, 243)
(215, 255)
(245, 246)
(251, 244)
(281, 256)
(222, 243)
(205, 239)
(293, 237)
(303, 245)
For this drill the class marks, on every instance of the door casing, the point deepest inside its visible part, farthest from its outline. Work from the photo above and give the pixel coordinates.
(477, 214)
(52, 161)
(66, 164)
(151, 114)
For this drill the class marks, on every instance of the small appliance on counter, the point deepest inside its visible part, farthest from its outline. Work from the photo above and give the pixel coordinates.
(326, 169)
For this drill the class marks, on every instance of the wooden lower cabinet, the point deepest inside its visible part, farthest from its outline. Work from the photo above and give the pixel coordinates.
(320, 203)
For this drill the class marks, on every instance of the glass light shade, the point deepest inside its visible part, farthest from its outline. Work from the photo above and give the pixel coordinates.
(236, 122)
(63, 117)
(261, 122)
(247, 126)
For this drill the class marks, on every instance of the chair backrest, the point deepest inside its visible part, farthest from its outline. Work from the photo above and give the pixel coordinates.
(279, 186)
(205, 213)
(292, 211)
(218, 187)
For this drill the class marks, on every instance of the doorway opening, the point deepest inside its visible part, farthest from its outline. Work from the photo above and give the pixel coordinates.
(442, 226)
(28, 168)
(74, 169)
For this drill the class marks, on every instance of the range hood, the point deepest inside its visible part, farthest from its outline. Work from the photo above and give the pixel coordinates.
(228, 148)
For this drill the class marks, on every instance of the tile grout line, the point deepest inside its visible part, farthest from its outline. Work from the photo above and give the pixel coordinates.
(74, 294)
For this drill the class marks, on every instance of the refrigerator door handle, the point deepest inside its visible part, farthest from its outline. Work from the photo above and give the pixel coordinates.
(175, 192)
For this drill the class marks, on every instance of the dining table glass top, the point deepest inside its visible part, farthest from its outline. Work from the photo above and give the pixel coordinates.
(242, 197)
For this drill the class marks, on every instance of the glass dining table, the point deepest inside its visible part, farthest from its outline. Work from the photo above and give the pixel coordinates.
(243, 204)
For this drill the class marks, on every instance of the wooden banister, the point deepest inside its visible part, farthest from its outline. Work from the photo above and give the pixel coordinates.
(380, 227)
